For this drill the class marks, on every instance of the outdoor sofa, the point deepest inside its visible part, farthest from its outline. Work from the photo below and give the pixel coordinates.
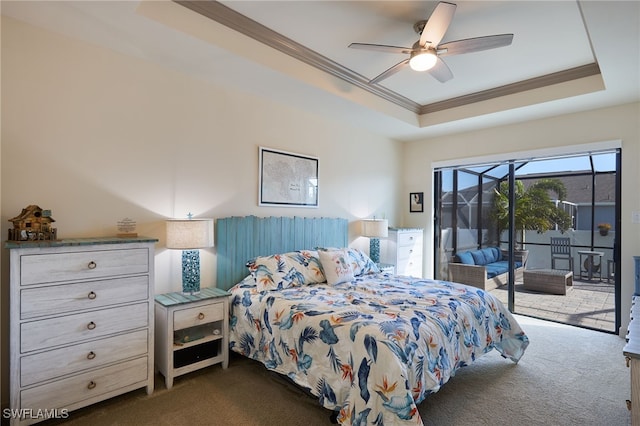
(485, 268)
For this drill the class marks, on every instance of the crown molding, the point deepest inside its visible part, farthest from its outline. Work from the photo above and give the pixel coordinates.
(230, 18)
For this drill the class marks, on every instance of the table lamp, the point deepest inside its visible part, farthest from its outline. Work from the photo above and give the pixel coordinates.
(189, 235)
(375, 229)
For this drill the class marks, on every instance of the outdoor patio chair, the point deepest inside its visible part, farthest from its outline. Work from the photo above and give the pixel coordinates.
(561, 250)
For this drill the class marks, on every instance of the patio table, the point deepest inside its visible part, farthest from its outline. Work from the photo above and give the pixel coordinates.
(589, 265)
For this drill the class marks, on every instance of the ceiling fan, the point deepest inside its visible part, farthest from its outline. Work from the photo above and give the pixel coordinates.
(426, 52)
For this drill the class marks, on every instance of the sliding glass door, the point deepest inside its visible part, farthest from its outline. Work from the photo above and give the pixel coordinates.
(518, 207)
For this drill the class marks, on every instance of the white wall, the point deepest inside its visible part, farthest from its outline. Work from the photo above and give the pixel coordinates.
(96, 136)
(565, 132)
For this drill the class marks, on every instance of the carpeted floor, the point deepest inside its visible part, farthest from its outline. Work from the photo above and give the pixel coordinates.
(568, 376)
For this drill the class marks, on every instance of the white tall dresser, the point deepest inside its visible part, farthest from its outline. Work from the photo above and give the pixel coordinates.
(403, 248)
(81, 323)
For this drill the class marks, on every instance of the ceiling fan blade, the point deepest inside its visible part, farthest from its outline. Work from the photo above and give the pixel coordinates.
(475, 44)
(381, 48)
(388, 73)
(441, 71)
(437, 24)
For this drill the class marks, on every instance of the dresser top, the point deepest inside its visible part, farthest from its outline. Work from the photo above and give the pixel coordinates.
(77, 242)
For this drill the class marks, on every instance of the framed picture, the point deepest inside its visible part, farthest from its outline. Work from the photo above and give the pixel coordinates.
(287, 179)
(416, 202)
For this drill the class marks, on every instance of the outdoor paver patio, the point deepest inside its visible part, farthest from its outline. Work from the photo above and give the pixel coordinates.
(586, 304)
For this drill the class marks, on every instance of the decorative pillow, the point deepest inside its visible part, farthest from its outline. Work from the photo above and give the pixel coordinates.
(336, 265)
(270, 272)
(304, 267)
(361, 263)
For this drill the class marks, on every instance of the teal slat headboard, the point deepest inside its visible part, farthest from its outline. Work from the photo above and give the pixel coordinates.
(242, 238)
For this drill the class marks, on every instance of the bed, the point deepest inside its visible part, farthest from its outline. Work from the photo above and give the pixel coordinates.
(369, 345)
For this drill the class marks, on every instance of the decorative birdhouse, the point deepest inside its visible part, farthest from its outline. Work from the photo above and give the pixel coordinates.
(32, 224)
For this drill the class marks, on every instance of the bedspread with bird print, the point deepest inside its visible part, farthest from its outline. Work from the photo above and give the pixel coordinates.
(373, 348)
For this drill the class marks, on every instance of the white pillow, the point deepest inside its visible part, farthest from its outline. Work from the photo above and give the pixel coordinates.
(336, 265)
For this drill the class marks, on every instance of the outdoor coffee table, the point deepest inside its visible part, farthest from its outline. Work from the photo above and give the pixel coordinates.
(551, 281)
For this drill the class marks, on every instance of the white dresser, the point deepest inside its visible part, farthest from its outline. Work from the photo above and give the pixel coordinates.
(403, 248)
(81, 323)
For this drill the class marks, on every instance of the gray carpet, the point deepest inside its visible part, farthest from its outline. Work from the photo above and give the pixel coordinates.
(568, 376)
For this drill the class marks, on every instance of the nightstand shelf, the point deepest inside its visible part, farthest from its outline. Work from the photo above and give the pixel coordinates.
(192, 332)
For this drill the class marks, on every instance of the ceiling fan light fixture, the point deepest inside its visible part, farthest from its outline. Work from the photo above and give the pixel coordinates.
(423, 61)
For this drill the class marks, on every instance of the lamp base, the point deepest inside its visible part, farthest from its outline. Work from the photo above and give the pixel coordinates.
(374, 250)
(191, 271)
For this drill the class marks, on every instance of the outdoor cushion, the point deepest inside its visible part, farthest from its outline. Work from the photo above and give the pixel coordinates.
(478, 257)
(466, 258)
(491, 254)
(500, 267)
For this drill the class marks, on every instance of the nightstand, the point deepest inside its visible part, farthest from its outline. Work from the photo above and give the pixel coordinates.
(192, 332)
(386, 268)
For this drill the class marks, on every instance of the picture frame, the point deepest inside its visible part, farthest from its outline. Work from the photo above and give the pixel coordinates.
(416, 202)
(287, 179)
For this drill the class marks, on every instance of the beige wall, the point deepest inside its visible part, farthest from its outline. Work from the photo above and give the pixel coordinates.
(562, 133)
(96, 136)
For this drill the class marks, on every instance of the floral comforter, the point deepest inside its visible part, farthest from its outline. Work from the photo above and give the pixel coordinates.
(375, 347)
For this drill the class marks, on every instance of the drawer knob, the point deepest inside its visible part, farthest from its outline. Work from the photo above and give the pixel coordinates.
(92, 295)
(91, 325)
(91, 385)
(92, 265)
(200, 316)
(91, 355)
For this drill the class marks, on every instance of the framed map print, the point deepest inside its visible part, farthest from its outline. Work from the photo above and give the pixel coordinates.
(287, 179)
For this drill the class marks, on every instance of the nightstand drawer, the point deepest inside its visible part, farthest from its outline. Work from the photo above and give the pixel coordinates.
(69, 391)
(191, 317)
(89, 325)
(57, 267)
(59, 299)
(71, 359)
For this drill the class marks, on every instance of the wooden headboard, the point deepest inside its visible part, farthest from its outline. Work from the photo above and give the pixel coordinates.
(242, 238)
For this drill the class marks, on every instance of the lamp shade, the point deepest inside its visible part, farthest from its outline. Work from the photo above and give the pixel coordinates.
(375, 228)
(187, 234)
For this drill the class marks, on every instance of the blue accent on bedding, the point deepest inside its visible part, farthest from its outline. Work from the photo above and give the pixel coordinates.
(375, 347)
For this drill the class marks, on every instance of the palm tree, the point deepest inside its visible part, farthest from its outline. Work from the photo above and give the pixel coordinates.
(534, 210)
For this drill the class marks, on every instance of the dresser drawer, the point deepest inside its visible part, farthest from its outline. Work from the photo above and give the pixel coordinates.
(409, 267)
(70, 266)
(72, 359)
(409, 238)
(74, 389)
(60, 299)
(191, 317)
(77, 327)
(407, 252)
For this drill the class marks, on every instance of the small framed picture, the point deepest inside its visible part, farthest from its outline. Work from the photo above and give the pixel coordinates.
(416, 202)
